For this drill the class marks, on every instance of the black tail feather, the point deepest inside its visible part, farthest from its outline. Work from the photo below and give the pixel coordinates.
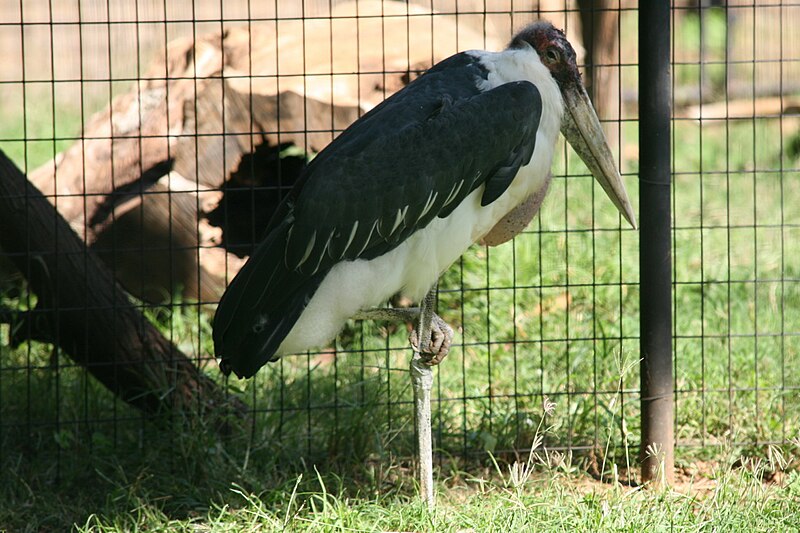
(260, 307)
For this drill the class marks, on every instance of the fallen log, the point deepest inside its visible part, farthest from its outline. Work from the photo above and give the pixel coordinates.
(82, 310)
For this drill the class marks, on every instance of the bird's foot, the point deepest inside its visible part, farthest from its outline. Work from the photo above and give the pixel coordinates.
(438, 345)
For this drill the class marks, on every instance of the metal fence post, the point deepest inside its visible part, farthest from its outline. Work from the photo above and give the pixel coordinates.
(655, 259)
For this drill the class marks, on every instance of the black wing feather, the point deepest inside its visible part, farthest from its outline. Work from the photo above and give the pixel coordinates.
(482, 139)
(414, 157)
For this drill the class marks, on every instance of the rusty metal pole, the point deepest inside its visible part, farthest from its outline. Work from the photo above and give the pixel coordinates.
(655, 253)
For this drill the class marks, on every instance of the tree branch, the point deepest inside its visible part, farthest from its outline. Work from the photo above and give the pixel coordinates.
(85, 312)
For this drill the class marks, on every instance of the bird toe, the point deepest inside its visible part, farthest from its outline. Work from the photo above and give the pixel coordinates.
(439, 342)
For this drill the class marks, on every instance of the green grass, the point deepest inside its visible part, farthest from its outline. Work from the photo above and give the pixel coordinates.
(189, 480)
(554, 313)
(178, 473)
(35, 132)
(541, 504)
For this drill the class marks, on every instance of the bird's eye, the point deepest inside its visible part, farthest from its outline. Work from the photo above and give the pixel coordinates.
(553, 55)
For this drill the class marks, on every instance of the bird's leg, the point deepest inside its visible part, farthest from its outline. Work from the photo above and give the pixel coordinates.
(422, 381)
(435, 345)
(430, 338)
(389, 314)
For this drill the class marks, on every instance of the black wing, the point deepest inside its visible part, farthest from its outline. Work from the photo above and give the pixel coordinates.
(412, 158)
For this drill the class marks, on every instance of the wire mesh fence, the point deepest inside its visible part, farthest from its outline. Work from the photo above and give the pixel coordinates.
(734, 172)
(166, 132)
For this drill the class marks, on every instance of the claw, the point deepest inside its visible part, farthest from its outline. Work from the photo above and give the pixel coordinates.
(438, 345)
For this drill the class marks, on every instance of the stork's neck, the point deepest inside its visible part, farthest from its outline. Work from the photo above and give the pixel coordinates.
(523, 64)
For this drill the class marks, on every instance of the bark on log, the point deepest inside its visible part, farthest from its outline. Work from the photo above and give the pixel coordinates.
(152, 247)
(87, 314)
(230, 125)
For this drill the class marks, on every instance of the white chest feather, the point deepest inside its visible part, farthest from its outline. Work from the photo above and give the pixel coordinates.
(415, 265)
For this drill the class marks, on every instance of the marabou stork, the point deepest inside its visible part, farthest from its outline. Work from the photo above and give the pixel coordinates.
(405, 190)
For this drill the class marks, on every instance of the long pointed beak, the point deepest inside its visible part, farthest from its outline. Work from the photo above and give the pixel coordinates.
(582, 130)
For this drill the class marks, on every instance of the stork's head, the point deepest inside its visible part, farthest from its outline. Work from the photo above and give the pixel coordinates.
(579, 124)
